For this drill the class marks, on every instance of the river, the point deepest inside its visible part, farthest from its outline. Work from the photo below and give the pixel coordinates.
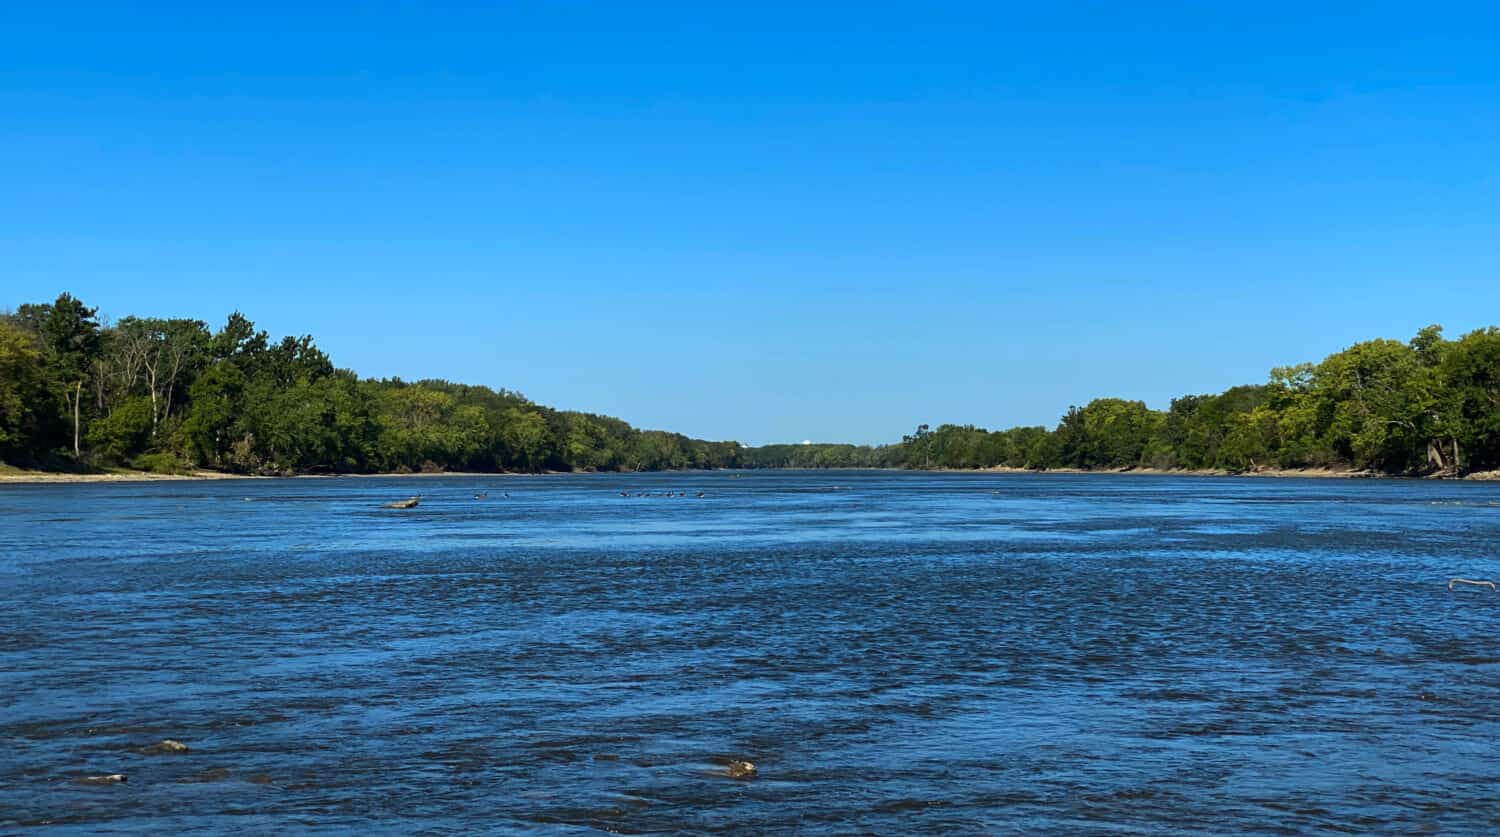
(897, 653)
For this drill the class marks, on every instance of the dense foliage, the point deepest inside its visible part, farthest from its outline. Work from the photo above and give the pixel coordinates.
(171, 394)
(1430, 406)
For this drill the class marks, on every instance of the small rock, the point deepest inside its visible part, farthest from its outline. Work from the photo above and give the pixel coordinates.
(168, 746)
(107, 779)
(738, 769)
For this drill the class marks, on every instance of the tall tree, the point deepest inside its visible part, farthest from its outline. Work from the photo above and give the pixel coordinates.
(70, 338)
(23, 392)
(168, 353)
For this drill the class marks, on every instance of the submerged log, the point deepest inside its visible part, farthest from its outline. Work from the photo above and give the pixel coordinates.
(408, 503)
(1471, 582)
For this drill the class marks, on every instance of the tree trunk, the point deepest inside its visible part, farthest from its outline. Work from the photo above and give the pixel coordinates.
(151, 372)
(77, 397)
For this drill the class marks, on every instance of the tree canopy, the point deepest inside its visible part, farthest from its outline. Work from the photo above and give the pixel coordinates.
(1428, 406)
(176, 394)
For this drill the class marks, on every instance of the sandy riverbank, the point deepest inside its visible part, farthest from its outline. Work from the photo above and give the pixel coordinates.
(19, 475)
(10, 475)
(1174, 472)
(16, 475)
(1266, 473)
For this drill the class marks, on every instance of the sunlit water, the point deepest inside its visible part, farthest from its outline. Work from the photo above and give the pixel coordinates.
(897, 653)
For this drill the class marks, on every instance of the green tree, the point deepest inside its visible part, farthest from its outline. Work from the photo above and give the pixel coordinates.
(215, 402)
(124, 432)
(1108, 433)
(526, 439)
(69, 332)
(1470, 406)
(1379, 397)
(25, 403)
(167, 355)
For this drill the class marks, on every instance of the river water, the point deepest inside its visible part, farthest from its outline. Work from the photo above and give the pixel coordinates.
(897, 653)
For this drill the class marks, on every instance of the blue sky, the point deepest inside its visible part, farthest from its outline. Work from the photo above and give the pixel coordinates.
(769, 222)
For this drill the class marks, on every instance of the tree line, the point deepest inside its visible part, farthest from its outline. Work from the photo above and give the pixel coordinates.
(172, 395)
(1423, 407)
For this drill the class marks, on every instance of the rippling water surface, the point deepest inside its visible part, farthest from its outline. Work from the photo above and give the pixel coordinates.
(897, 653)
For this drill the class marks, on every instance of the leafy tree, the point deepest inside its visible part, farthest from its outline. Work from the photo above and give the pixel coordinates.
(238, 341)
(167, 354)
(215, 399)
(1108, 433)
(1470, 418)
(526, 438)
(25, 402)
(168, 394)
(1379, 398)
(69, 332)
(124, 431)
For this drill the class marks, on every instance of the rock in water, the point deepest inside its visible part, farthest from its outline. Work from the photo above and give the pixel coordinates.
(408, 503)
(168, 746)
(738, 769)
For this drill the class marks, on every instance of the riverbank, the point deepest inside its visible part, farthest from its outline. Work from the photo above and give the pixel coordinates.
(11, 475)
(1264, 473)
(1305, 473)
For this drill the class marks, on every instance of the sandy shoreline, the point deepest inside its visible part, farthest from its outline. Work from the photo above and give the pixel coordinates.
(1305, 473)
(1266, 473)
(124, 476)
(18, 476)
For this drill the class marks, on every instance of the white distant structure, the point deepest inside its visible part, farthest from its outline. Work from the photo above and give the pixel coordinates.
(807, 441)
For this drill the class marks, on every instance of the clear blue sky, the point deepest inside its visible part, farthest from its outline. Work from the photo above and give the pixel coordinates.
(768, 221)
